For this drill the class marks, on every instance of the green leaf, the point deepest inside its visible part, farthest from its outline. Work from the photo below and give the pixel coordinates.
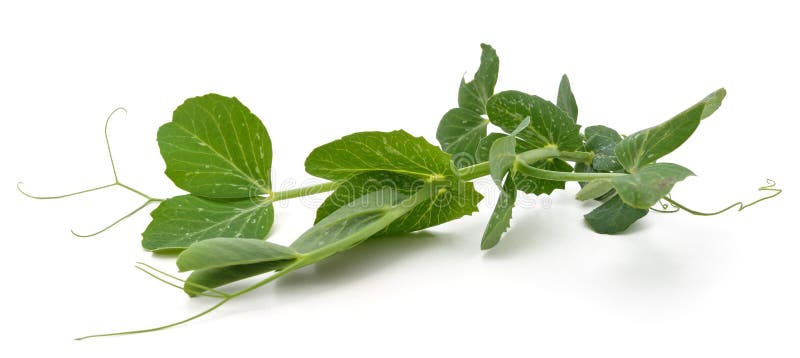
(503, 162)
(446, 205)
(214, 147)
(550, 126)
(566, 100)
(358, 220)
(501, 158)
(344, 228)
(500, 220)
(473, 95)
(594, 189)
(482, 152)
(712, 102)
(603, 141)
(183, 220)
(586, 168)
(536, 186)
(213, 278)
(503, 153)
(646, 186)
(460, 131)
(485, 144)
(395, 151)
(613, 216)
(222, 252)
(649, 145)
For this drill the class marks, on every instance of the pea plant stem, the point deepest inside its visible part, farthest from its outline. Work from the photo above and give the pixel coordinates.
(482, 169)
(304, 191)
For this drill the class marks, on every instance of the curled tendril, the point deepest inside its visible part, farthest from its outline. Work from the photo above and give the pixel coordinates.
(770, 187)
(148, 199)
(665, 207)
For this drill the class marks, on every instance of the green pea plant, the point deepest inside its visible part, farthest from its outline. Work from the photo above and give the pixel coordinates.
(390, 183)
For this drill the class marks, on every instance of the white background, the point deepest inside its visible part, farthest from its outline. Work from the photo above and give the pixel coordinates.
(674, 285)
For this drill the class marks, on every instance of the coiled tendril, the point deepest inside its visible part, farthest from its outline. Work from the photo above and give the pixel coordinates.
(675, 206)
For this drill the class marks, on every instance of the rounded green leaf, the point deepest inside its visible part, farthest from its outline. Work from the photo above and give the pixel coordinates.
(550, 126)
(459, 133)
(448, 204)
(183, 220)
(215, 147)
(613, 216)
(602, 141)
(652, 182)
(395, 151)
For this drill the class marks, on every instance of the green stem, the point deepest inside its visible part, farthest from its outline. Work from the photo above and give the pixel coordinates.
(578, 157)
(533, 156)
(562, 176)
(471, 172)
(304, 191)
(474, 171)
(530, 157)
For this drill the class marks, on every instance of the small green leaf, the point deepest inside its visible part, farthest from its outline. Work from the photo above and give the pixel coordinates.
(183, 220)
(473, 95)
(357, 221)
(646, 186)
(213, 278)
(460, 131)
(537, 186)
(222, 252)
(587, 168)
(649, 145)
(395, 151)
(500, 220)
(594, 189)
(482, 153)
(550, 126)
(214, 147)
(613, 216)
(603, 141)
(446, 205)
(566, 100)
(501, 158)
(503, 153)
(712, 102)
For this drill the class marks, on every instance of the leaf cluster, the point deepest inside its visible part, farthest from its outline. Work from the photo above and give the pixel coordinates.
(538, 138)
